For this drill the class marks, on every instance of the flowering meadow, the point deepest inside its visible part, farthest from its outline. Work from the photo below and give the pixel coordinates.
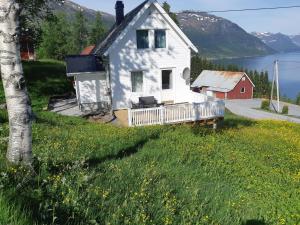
(247, 172)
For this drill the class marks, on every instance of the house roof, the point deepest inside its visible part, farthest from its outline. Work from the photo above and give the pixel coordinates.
(88, 50)
(223, 81)
(83, 64)
(117, 30)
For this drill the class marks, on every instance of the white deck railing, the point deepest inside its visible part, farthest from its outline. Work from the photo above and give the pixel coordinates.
(176, 113)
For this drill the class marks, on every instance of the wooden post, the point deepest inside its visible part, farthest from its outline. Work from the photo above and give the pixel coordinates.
(215, 125)
(162, 115)
(194, 111)
(129, 117)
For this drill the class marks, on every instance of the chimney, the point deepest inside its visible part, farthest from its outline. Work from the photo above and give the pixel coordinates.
(119, 12)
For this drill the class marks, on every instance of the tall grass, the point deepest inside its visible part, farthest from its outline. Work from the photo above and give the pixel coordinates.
(86, 173)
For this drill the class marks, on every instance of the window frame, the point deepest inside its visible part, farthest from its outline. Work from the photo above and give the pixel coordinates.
(131, 80)
(243, 90)
(137, 39)
(155, 39)
(170, 80)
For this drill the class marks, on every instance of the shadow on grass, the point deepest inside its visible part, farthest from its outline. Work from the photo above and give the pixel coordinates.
(237, 122)
(232, 121)
(123, 153)
(42, 201)
(254, 222)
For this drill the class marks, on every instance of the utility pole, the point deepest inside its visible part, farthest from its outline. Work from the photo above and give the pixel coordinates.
(275, 82)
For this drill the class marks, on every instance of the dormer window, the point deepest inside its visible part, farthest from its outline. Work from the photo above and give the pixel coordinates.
(160, 39)
(142, 39)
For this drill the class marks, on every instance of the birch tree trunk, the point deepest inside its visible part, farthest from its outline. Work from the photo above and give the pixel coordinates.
(17, 99)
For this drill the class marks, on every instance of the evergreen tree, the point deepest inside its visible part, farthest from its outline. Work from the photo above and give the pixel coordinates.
(79, 34)
(55, 42)
(97, 30)
(167, 8)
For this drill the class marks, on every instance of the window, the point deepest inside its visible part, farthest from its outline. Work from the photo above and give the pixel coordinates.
(166, 79)
(137, 81)
(244, 78)
(160, 39)
(243, 90)
(142, 38)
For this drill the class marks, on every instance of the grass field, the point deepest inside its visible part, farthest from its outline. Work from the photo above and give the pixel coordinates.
(247, 173)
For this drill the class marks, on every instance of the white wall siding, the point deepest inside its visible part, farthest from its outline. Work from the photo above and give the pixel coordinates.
(92, 88)
(125, 58)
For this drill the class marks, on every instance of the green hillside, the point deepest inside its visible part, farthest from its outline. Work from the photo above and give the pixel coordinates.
(248, 172)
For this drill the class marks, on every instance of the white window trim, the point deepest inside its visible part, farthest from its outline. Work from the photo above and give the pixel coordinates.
(149, 39)
(136, 71)
(243, 92)
(171, 79)
(166, 33)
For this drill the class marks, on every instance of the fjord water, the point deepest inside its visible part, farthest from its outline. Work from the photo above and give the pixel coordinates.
(289, 69)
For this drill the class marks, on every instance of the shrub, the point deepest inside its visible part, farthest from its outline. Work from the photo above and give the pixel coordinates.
(285, 110)
(265, 105)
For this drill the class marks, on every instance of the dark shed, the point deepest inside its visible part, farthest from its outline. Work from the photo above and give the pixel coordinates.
(83, 64)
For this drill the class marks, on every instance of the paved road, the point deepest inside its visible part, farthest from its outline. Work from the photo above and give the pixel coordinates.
(248, 108)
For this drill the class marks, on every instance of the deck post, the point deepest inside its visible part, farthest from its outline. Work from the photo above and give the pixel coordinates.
(215, 125)
(129, 117)
(194, 111)
(162, 115)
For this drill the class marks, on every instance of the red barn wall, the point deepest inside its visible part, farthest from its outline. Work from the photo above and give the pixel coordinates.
(220, 95)
(236, 92)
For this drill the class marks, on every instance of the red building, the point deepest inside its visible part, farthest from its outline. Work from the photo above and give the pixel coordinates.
(27, 49)
(88, 50)
(224, 85)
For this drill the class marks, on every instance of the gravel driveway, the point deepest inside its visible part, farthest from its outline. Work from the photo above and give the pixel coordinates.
(248, 108)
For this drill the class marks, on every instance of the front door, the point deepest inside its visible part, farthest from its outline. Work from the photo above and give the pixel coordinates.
(167, 83)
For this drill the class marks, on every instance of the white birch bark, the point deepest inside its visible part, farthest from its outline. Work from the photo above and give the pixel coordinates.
(17, 99)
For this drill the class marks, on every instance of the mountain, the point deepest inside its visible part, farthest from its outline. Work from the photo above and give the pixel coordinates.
(296, 39)
(218, 37)
(70, 8)
(279, 41)
(214, 36)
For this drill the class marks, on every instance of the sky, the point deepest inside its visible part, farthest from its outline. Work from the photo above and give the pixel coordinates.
(284, 20)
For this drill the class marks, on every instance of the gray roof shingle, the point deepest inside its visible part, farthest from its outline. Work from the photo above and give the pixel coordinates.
(218, 80)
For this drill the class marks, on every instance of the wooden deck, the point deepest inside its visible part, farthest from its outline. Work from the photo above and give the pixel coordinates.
(171, 114)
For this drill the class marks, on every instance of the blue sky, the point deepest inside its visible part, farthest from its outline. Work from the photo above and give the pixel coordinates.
(284, 20)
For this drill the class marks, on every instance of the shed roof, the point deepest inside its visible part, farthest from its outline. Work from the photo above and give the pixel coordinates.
(223, 81)
(83, 64)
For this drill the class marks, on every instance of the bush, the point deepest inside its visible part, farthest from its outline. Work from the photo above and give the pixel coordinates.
(265, 105)
(285, 110)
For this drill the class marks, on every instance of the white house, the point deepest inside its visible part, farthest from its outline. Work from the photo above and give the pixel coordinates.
(144, 54)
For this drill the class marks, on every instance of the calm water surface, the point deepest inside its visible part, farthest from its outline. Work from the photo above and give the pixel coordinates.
(289, 69)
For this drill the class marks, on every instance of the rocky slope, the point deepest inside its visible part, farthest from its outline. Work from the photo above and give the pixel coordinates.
(296, 39)
(279, 41)
(70, 8)
(218, 37)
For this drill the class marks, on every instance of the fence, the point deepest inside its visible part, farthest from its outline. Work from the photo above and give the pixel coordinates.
(176, 113)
